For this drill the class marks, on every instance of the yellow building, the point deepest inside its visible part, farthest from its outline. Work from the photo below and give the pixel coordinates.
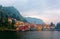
(10, 20)
(19, 23)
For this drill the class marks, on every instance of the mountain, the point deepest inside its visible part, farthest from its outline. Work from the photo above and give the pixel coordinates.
(11, 12)
(34, 20)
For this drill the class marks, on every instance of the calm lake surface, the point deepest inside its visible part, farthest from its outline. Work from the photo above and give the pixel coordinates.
(30, 35)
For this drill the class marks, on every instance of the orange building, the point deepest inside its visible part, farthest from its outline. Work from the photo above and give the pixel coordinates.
(39, 27)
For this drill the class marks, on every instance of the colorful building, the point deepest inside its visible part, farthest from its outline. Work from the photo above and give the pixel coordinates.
(46, 27)
(33, 27)
(39, 27)
(9, 19)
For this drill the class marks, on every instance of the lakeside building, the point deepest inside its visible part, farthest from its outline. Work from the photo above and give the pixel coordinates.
(22, 26)
(9, 19)
(46, 27)
(39, 27)
(33, 27)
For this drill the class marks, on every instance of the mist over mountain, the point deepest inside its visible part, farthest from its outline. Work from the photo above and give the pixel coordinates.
(34, 20)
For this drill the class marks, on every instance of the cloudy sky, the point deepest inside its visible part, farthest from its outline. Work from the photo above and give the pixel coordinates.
(47, 10)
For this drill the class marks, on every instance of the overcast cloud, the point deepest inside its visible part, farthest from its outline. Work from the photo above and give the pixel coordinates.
(47, 10)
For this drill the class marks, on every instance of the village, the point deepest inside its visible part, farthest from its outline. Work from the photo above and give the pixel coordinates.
(25, 26)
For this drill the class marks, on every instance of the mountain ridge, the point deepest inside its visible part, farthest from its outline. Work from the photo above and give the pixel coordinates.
(34, 20)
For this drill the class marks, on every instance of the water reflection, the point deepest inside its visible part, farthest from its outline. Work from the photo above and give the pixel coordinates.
(31, 35)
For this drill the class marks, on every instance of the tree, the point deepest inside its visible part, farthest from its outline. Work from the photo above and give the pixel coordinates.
(13, 22)
(3, 18)
(58, 26)
(52, 24)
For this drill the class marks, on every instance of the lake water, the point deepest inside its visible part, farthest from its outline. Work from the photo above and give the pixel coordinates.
(30, 35)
